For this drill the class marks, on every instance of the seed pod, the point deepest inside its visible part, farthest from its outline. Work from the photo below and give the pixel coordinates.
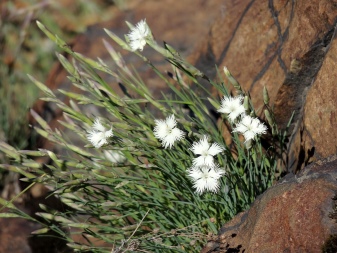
(248, 144)
(271, 122)
(233, 81)
(265, 96)
(246, 103)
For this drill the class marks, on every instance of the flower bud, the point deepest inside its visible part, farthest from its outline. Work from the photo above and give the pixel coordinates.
(265, 96)
(233, 81)
(246, 103)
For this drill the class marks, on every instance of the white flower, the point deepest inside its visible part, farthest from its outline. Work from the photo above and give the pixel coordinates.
(250, 127)
(206, 178)
(138, 35)
(99, 135)
(114, 156)
(167, 132)
(206, 152)
(232, 106)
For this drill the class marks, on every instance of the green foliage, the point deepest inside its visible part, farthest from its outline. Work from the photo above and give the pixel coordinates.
(25, 49)
(144, 202)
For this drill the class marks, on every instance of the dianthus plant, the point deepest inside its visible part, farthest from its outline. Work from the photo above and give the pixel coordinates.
(148, 173)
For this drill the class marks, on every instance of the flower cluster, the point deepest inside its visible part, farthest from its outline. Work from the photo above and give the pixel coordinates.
(205, 173)
(248, 126)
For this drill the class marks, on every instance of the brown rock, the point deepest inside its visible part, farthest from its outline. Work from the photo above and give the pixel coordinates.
(257, 40)
(292, 216)
(320, 110)
(14, 235)
(292, 97)
(281, 45)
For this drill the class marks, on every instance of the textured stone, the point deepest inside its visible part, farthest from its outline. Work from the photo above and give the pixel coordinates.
(281, 45)
(320, 108)
(14, 235)
(292, 216)
(257, 40)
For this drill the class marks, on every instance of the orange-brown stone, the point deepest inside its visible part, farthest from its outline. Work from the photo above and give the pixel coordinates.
(292, 216)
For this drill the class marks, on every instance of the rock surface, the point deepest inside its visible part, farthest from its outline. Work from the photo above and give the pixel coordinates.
(296, 215)
(320, 120)
(14, 235)
(285, 46)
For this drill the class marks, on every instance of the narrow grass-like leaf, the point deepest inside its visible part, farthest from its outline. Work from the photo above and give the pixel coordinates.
(68, 66)
(41, 121)
(42, 87)
(10, 215)
(9, 150)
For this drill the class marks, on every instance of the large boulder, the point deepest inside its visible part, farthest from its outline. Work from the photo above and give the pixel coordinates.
(319, 116)
(289, 47)
(286, 46)
(296, 215)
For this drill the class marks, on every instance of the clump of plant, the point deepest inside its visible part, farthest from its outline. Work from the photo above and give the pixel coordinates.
(146, 183)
